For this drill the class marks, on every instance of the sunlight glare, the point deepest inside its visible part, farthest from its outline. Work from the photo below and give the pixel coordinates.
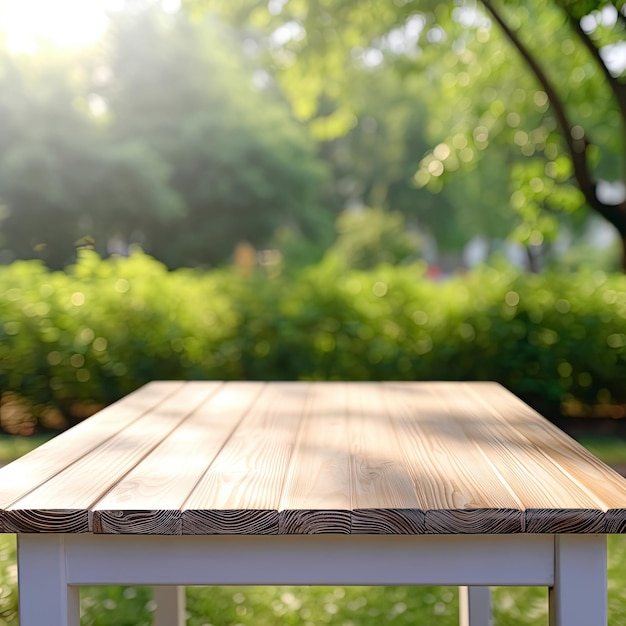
(65, 23)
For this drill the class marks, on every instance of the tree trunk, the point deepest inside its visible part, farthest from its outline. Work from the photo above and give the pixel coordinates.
(577, 145)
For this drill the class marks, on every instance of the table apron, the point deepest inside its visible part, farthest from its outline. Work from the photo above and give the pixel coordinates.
(508, 560)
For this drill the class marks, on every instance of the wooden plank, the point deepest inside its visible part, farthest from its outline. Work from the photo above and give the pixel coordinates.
(62, 504)
(461, 493)
(300, 458)
(35, 468)
(553, 502)
(240, 492)
(384, 497)
(316, 494)
(592, 475)
(149, 498)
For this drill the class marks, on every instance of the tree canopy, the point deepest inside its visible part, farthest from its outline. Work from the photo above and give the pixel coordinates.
(260, 121)
(158, 136)
(544, 77)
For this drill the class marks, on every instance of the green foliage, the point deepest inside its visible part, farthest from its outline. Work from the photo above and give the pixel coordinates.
(159, 136)
(239, 163)
(12, 447)
(367, 238)
(489, 104)
(60, 177)
(491, 137)
(606, 447)
(71, 341)
(379, 72)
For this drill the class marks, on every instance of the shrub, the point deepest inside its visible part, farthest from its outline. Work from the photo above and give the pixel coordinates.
(73, 341)
(369, 237)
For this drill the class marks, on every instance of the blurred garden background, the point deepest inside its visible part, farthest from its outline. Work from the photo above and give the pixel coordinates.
(303, 190)
(307, 190)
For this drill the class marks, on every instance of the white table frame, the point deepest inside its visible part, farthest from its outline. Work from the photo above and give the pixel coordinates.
(52, 567)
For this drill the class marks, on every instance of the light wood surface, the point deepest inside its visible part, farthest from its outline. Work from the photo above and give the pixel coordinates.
(307, 458)
(241, 490)
(64, 502)
(316, 494)
(384, 495)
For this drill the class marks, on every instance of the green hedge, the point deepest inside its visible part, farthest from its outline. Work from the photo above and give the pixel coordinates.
(71, 341)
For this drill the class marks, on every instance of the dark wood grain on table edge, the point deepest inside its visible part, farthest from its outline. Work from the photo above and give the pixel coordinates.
(388, 522)
(138, 522)
(314, 522)
(230, 522)
(72, 521)
(572, 521)
(268, 522)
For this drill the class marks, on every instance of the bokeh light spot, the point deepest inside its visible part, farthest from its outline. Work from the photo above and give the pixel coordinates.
(122, 285)
(54, 357)
(442, 151)
(512, 298)
(420, 317)
(436, 168)
(564, 369)
(78, 298)
(562, 306)
(540, 98)
(379, 289)
(99, 344)
(513, 119)
(520, 138)
(77, 360)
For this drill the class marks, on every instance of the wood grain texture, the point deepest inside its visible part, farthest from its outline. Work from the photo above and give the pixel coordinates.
(241, 490)
(28, 472)
(316, 494)
(551, 500)
(603, 484)
(384, 496)
(460, 492)
(307, 458)
(148, 500)
(63, 503)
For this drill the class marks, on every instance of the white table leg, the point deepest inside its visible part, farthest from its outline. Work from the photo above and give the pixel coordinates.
(44, 595)
(579, 595)
(474, 606)
(170, 610)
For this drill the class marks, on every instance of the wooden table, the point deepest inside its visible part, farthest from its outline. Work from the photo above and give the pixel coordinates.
(312, 483)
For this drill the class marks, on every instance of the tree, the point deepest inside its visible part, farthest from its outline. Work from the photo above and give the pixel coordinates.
(241, 165)
(161, 137)
(566, 120)
(371, 237)
(570, 120)
(599, 25)
(62, 183)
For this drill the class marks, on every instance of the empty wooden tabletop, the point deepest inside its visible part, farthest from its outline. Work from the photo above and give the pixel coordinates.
(322, 457)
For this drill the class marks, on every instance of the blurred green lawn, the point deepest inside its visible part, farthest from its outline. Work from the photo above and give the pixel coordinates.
(14, 446)
(611, 450)
(310, 606)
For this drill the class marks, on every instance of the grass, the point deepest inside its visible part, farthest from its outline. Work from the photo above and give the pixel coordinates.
(14, 446)
(610, 449)
(312, 606)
